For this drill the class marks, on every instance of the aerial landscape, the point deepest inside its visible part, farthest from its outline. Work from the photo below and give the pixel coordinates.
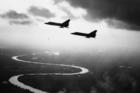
(69, 46)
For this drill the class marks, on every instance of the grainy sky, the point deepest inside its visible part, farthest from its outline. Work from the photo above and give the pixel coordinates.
(127, 11)
(117, 22)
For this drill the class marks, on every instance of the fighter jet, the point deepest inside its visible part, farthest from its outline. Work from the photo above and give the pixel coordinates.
(61, 25)
(92, 34)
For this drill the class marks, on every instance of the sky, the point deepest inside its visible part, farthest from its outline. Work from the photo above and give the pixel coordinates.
(117, 22)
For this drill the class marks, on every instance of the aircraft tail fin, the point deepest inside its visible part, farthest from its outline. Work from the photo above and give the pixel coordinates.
(93, 33)
(66, 23)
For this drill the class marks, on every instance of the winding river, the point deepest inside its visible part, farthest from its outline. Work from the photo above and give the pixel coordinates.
(15, 79)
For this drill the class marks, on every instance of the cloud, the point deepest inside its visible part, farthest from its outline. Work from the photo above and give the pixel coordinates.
(58, 1)
(42, 12)
(16, 18)
(127, 11)
(122, 25)
(69, 13)
(25, 22)
(14, 15)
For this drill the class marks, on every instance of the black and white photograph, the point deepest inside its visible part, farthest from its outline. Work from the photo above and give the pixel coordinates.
(69, 46)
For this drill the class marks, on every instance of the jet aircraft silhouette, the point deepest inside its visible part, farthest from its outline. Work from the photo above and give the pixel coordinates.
(92, 34)
(61, 25)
